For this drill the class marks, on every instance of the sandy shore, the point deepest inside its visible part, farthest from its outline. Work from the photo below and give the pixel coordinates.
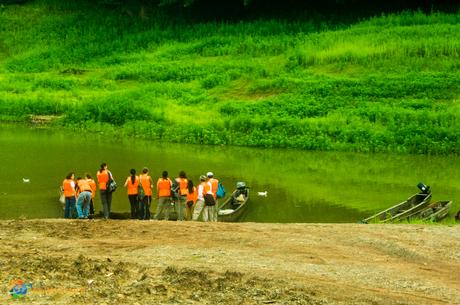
(147, 262)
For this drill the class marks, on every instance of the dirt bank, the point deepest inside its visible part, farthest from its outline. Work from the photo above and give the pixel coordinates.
(129, 262)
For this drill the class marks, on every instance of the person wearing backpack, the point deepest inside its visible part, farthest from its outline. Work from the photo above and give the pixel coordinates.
(132, 183)
(145, 194)
(214, 186)
(104, 176)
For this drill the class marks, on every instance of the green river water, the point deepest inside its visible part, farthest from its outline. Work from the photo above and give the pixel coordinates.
(301, 186)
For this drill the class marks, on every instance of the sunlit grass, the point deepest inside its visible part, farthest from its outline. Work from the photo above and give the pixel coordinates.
(391, 83)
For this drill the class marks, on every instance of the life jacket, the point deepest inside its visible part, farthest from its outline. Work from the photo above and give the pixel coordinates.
(145, 182)
(83, 186)
(132, 187)
(215, 184)
(192, 196)
(183, 183)
(207, 188)
(164, 187)
(69, 187)
(92, 184)
(103, 178)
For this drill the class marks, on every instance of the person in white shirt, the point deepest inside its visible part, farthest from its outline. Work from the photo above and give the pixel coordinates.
(199, 205)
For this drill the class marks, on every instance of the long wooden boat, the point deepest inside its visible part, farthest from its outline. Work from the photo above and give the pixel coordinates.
(235, 206)
(412, 204)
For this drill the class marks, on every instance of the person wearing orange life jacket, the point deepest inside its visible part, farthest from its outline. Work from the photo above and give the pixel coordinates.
(145, 202)
(68, 185)
(164, 196)
(84, 197)
(199, 205)
(92, 184)
(192, 195)
(209, 210)
(214, 185)
(182, 183)
(103, 176)
(132, 182)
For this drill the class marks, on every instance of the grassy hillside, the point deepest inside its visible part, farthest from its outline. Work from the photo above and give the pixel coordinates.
(389, 83)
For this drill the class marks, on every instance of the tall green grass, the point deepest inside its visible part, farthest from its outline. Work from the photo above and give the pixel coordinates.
(389, 83)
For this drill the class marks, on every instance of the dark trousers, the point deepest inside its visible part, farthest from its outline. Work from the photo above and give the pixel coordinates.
(134, 206)
(91, 207)
(70, 210)
(144, 211)
(106, 199)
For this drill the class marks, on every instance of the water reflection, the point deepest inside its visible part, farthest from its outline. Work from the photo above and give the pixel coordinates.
(301, 186)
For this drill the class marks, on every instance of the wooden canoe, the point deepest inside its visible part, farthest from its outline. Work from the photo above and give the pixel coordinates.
(234, 207)
(412, 204)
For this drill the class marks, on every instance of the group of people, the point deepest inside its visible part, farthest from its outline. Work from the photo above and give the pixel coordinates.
(79, 194)
(190, 202)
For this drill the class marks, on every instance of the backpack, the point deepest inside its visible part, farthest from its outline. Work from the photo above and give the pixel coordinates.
(111, 184)
(220, 191)
(175, 190)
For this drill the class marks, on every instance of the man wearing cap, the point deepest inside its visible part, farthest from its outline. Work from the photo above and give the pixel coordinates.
(214, 185)
(199, 205)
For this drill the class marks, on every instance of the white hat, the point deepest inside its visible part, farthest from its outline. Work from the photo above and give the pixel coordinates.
(210, 174)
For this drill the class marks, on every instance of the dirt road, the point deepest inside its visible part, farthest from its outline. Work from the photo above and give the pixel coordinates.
(147, 262)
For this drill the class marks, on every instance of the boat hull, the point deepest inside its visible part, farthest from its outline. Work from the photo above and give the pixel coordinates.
(401, 210)
(232, 209)
(436, 211)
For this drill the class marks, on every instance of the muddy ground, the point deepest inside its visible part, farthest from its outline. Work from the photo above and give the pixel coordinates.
(147, 262)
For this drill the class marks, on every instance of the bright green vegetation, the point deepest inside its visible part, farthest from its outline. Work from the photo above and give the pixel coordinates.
(389, 83)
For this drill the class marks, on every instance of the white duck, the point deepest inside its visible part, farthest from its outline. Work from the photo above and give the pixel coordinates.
(263, 194)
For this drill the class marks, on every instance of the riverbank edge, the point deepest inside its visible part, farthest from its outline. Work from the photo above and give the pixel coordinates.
(56, 122)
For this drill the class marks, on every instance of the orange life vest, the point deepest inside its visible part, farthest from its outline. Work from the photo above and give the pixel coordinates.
(207, 188)
(192, 196)
(164, 187)
(103, 178)
(83, 186)
(183, 183)
(145, 181)
(215, 184)
(132, 187)
(69, 189)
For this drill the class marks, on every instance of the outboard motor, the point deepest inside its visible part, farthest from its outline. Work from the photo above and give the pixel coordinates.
(241, 188)
(424, 188)
(240, 185)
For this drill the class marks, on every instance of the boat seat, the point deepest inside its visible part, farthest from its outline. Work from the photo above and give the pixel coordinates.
(226, 212)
